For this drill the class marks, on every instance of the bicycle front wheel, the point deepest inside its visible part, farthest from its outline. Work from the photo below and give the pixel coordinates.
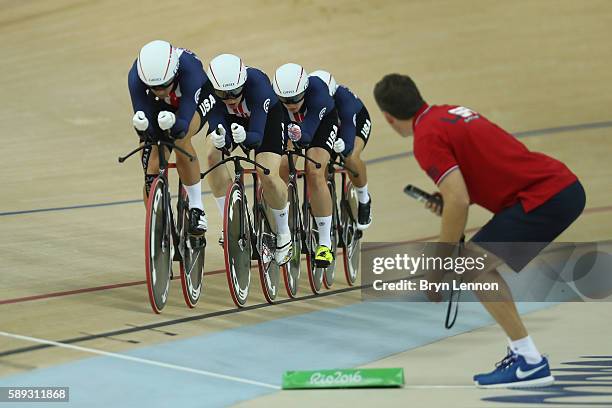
(237, 244)
(291, 270)
(315, 275)
(158, 246)
(351, 236)
(192, 254)
(269, 271)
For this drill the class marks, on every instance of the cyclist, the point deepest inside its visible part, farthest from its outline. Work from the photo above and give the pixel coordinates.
(171, 97)
(312, 124)
(250, 116)
(355, 128)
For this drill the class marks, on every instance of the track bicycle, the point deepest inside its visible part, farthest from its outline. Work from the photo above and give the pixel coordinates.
(166, 240)
(247, 234)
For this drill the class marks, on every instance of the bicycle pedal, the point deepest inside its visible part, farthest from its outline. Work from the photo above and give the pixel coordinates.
(321, 264)
(266, 255)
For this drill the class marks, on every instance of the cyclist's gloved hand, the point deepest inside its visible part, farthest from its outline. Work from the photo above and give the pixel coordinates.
(218, 137)
(166, 120)
(294, 132)
(339, 145)
(140, 121)
(238, 133)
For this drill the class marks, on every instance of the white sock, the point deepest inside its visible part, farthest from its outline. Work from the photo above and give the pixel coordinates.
(282, 219)
(362, 194)
(195, 196)
(526, 348)
(220, 204)
(324, 224)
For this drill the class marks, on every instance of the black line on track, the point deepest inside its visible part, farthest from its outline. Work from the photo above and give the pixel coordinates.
(177, 321)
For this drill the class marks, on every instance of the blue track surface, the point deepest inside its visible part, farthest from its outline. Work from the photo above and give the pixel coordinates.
(347, 336)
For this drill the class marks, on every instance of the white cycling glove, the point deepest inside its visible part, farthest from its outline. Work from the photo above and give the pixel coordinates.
(238, 133)
(218, 137)
(339, 145)
(166, 120)
(140, 121)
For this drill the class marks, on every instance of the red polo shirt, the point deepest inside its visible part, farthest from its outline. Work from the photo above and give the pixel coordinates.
(499, 170)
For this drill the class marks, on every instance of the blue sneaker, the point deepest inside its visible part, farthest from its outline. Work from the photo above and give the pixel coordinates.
(514, 372)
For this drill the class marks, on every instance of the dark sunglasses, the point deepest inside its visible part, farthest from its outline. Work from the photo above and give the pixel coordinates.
(231, 94)
(292, 100)
(162, 86)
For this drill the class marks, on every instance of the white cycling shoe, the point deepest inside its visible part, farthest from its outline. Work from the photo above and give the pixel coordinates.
(284, 249)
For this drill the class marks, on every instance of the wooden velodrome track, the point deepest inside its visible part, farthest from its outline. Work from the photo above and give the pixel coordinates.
(71, 227)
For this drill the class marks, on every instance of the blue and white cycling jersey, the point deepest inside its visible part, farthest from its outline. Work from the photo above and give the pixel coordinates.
(258, 98)
(348, 105)
(184, 98)
(317, 104)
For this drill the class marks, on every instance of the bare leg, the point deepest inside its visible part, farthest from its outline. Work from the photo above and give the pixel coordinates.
(320, 199)
(275, 195)
(284, 168)
(275, 189)
(357, 165)
(219, 179)
(189, 171)
(152, 168)
(501, 306)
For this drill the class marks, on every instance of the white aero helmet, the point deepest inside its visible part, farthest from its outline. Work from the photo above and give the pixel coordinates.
(290, 82)
(329, 80)
(228, 75)
(157, 63)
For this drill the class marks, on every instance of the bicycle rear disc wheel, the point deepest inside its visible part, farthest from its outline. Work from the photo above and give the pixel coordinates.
(350, 234)
(291, 270)
(192, 254)
(237, 244)
(269, 271)
(158, 247)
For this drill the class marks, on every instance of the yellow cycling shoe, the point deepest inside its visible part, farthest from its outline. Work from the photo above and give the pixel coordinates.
(323, 257)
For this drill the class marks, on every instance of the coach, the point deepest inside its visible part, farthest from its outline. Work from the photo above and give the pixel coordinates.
(473, 161)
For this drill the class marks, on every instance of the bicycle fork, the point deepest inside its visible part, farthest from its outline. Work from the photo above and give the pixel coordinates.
(167, 219)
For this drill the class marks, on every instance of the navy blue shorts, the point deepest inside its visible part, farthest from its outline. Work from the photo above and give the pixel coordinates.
(363, 123)
(538, 227)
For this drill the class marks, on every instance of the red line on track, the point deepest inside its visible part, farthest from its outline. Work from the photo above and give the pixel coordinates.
(218, 271)
(85, 290)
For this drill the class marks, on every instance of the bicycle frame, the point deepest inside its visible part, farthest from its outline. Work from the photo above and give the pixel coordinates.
(171, 234)
(163, 174)
(334, 168)
(240, 237)
(294, 174)
(239, 172)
